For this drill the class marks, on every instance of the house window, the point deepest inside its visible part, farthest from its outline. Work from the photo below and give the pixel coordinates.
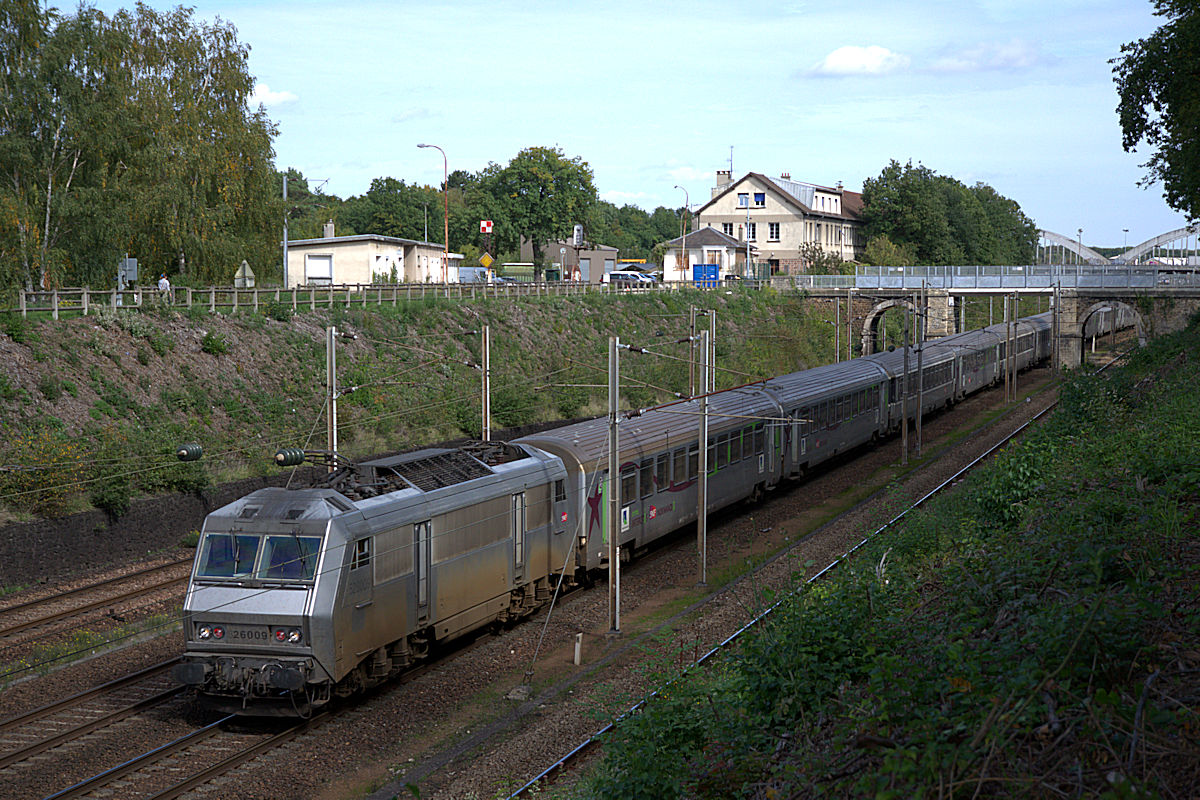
(743, 200)
(760, 199)
(773, 231)
(727, 228)
(752, 228)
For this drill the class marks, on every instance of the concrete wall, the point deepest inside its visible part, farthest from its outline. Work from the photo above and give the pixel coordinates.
(47, 550)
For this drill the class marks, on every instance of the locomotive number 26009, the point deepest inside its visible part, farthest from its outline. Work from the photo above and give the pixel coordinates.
(248, 634)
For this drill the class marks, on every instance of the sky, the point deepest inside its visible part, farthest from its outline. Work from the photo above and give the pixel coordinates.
(652, 95)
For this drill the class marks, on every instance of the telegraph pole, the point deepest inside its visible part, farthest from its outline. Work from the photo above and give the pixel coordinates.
(702, 483)
(692, 360)
(921, 321)
(487, 383)
(331, 387)
(614, 489)
(904, 389)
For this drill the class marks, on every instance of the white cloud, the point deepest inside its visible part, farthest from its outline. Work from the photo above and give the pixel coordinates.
(855, 60)
(1014, 54)
(412, 114)
(618, 198)
(263, 94)
(689, 173)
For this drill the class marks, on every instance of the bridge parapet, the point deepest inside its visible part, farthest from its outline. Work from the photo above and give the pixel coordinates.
(987, 279)
(1155, 311)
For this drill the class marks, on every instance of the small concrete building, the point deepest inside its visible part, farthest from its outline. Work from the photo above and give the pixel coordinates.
(368, 258)
(704, 246)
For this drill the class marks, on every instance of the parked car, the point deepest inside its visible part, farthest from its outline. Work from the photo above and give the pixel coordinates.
(627, 278)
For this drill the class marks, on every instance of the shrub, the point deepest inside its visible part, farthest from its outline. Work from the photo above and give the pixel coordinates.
(18, 328)
(50, 387)
(279, 311)
(112, 495)
(214, 344)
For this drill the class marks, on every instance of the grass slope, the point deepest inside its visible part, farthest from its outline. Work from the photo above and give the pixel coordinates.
(1037, 634)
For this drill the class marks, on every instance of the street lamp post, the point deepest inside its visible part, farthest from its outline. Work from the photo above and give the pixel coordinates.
(687, 205)
(1079, 257)
(446, 221)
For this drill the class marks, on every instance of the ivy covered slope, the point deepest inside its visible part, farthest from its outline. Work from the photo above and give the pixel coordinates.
(94, 407)
(1035, 635)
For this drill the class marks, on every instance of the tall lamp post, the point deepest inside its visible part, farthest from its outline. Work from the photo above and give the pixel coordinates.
(687, 206)
(1125, 249)
(446, 195)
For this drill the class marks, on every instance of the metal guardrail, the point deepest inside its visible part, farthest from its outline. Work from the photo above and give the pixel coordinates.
(984, 279)
(963, 278)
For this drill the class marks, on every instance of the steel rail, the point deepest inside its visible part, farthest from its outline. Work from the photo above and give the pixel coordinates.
(83, 609)
(110, 775)
(92, 586)
(87, 727)
(75, 699)
(592, 740)
(237, 759)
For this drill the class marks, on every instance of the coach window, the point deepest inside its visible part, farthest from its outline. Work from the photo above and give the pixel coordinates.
(723, 451)
(712, 455)
(560, 491)
(647, 477)
(735, 447)
(628, 485)
(693, 462)
(760, 438)
(662, 472)
(806, 421)
(679, 466)
(362, 554)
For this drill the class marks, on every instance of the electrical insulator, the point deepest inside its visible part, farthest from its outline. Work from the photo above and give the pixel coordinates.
(189, 452)
(289, 457)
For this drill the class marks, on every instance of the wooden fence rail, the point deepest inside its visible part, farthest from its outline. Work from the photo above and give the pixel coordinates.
(83, 301)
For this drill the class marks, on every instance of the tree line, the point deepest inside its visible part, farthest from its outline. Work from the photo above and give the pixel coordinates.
(131, 134)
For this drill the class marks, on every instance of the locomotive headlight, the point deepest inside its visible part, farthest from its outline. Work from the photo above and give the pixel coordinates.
(218, 632)
(293, 636)
(204, 632)
(210, 632)
(280, 635)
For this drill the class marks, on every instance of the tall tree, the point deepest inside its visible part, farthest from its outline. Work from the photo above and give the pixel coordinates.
(130, 134)
(938, 220)
(540, 195)
(1158, 81)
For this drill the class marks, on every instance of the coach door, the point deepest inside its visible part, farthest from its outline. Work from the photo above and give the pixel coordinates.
(421, 537)
(518, 536)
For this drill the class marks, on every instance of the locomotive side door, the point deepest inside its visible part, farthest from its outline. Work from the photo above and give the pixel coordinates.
(422, 532)
(518, 536)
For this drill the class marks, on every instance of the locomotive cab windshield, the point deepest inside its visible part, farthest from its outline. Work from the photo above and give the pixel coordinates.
(246, 558)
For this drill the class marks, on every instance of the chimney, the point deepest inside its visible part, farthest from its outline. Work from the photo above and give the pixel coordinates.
(724, 178)
(329, 229)
(787, 176)
(839, 186)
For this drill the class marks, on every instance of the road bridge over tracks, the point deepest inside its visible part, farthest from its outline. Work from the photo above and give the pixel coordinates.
(1157, 301)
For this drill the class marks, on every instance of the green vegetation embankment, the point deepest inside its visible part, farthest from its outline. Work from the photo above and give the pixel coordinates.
(94, 407)
(1036, 634)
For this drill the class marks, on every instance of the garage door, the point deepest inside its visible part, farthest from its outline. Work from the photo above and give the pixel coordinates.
(318, 269)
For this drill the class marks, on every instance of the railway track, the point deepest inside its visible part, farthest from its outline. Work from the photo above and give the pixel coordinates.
(111, 594)
(200, 755)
